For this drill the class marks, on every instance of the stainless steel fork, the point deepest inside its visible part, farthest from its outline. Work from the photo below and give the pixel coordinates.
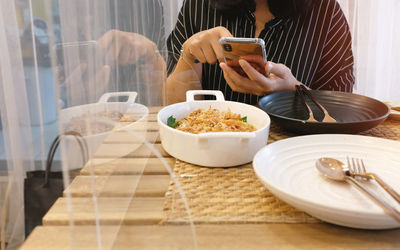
(357, 168)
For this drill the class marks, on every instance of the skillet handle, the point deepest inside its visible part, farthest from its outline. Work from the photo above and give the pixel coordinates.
(191, 93)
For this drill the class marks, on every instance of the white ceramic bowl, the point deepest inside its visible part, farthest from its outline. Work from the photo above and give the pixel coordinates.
(73, 155)
(216, 149)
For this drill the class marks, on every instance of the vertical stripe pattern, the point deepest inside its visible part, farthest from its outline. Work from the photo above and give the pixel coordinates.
(316, 46)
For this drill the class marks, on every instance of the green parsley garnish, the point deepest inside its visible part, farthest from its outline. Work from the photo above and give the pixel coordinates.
(172, 122)
(244, 119)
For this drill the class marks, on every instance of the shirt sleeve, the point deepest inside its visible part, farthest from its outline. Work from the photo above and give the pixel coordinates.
(335, 70)
(183, 30)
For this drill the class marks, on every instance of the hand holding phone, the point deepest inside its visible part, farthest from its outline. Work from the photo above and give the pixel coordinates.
(250, 49)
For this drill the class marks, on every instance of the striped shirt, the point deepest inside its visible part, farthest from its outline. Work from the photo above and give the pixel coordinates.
(315, 46)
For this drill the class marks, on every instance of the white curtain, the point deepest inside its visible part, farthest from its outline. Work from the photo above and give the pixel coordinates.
(16, 152)
(376, 44)
(33, 91)
(56, 55)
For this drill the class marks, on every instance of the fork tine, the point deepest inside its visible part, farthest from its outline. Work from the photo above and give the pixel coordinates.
(363, 167)
(350, 165)
(360, 166)
(356, 166)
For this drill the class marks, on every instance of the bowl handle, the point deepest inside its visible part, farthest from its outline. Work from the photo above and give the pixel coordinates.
(191, 93)
(131, 96)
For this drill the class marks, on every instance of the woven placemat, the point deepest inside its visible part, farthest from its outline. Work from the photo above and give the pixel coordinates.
(226, 195)
(235, 195)
(390, 129)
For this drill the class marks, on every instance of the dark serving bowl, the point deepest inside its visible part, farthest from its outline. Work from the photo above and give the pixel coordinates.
(354, 113)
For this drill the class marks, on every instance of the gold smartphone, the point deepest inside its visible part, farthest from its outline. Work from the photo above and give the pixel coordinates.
(250, 49)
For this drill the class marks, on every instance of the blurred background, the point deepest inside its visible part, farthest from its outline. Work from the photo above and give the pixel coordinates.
(58, 54)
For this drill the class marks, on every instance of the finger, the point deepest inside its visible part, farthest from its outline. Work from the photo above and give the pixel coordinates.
(279, 70)
(239, 83)
(134, 53)
(209, 54)
(106, 45)
(218, 51)
(260, 69)
(262, 82)
(250, 71)
(194, 50)
(124, 55)
(105, 41)
(222, 32)
(113, 52)
(254, 59)
(231, 82)
(143, 49)
(228, 70)
(102, 78)
(232, 63)
(106, 38)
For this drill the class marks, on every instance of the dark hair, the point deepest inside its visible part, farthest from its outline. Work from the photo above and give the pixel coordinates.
(279, 8)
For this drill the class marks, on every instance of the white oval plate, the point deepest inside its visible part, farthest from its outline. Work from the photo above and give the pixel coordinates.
(287, 169)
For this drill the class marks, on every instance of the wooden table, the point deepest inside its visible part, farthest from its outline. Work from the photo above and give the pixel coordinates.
(130, 198)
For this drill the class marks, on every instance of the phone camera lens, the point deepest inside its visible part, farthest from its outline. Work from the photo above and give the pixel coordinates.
(227, 47)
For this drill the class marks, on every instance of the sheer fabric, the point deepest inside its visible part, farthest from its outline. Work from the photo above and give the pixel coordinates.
(81, 66)
(58, 54)
(376, 39)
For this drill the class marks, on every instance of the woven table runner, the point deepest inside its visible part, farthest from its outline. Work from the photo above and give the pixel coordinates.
(235, 195)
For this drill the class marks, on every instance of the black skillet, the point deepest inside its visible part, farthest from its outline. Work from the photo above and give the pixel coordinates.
(354, 113)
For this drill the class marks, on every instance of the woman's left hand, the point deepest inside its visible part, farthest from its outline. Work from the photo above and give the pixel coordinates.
(277, 77)
(126, 48)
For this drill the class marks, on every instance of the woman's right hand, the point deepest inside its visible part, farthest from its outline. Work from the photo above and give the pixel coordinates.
(204, 45)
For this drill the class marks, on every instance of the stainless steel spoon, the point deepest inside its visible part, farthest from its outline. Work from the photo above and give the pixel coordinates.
(337, 170)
